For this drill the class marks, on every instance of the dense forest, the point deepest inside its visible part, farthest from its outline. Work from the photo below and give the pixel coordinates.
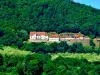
(19, 17)
(61, 47)
(15, 62)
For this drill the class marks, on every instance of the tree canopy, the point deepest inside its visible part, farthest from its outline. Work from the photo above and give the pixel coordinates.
(22, 16)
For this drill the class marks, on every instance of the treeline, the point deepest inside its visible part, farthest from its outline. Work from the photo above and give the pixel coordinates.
(38, 64)
(55, 47)
(60, 47)
(19, 17)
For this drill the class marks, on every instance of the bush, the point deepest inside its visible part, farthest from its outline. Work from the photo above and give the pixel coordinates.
(92, 43)
(62, 47)
(1, 60)
(77, 47)
(41, 64)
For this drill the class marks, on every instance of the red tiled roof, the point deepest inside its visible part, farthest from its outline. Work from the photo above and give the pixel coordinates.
(38, 33)
(54, 36)
(76, 35)
(32, 33)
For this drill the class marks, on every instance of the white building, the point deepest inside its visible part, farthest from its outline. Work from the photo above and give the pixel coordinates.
(38, 36)
(54, 38)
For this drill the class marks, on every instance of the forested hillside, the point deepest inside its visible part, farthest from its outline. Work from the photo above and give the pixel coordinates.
(19, 17)
(20, 57)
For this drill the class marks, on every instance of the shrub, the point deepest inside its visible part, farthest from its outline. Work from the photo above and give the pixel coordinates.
(62, 47)
(77, 47)
(92, 43)
(1, 60)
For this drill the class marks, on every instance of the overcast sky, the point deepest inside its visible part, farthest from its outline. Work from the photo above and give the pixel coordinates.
(93, 3)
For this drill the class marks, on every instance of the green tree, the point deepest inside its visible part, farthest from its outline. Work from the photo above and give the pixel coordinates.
(22, 34)
(62, 46)
(1, 60)
(92, 43)
(77, 47)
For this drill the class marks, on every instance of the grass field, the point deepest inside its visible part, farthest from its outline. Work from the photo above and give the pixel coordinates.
(89, 56)
(13, 51)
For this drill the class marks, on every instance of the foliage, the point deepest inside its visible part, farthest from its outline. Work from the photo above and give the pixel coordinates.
(92, 43)
(1, 60)
(60, 47)
(16, 62)
(77, 47)
(92, 57)
(19, 17)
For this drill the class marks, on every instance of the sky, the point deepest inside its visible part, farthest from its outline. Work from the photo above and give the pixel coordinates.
(93, 3)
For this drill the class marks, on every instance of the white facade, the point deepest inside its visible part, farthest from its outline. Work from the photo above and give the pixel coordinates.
(35, 37)
(72, 38)
(44, 37)
(65, 39)
(86, 38)
(62, 39)
(54, 39)
(81, 37)
(77, 38)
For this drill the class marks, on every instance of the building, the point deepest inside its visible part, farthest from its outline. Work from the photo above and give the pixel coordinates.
(86, 37)
(98, 40)
(38, 36)
(54, 37)
(65, 38)
(78, 36)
